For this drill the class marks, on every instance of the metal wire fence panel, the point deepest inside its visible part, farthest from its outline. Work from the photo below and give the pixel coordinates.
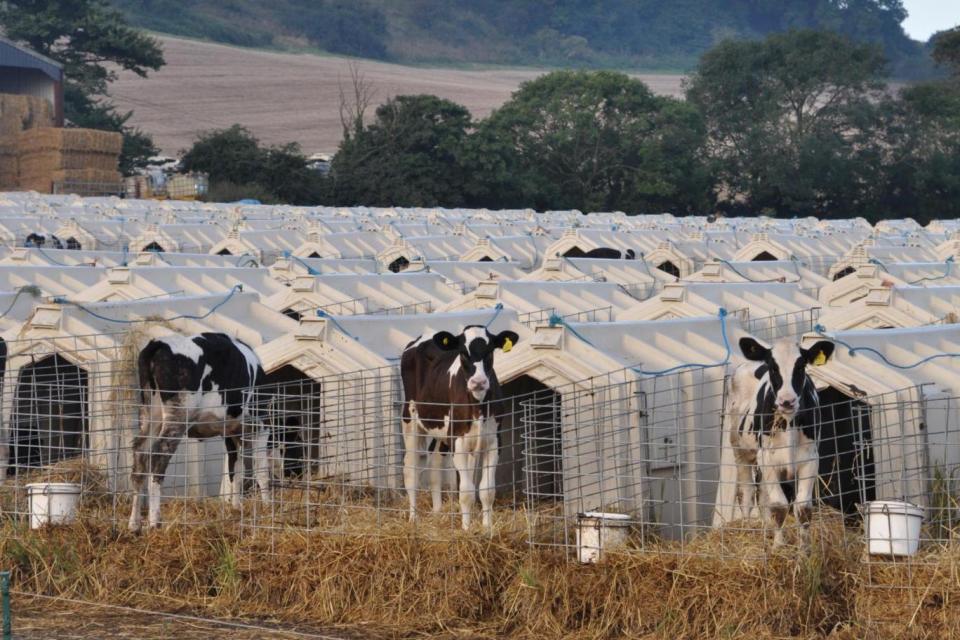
(783, 325)
(654, 452)
(659, 452)
(88, 189)
(357, 306)
(542, 316)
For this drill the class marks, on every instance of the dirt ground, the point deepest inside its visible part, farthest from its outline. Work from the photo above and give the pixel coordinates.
(35, 619)
(285, 97)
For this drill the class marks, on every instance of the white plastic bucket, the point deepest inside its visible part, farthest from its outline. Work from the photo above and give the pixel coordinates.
(893, 527)
(52, 503)
(599, 532)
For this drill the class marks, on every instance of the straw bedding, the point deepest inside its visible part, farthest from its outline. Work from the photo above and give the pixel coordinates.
(475, 585)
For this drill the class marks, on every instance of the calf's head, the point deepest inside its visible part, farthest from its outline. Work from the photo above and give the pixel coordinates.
(785, 365)
(475, 347)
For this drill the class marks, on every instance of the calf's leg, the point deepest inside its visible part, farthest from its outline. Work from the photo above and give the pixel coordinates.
(234, 477)
(411, 460)
(488, 478)
(746, 494)
(436, 476)
(162, 449)
(150, 424)
(261, 464)
(808, 463)
(465, 461)
(137, 476)
(774, 500)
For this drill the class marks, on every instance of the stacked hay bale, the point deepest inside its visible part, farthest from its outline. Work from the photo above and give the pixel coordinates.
(8, 165)
(78, 158)
(35, 155)
(18, 113)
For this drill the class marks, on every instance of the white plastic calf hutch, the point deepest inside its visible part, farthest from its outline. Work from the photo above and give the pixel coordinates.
(387, 337)
(787, 271)
(537, 301)
(348, 294)
(526, 250)
(466, 276)
(139, 283)
(869, 441)
(889, 307)
(70, 387)
(678, 396)
(635, 276)
(769, 310)
(928, 441)
(286, 269)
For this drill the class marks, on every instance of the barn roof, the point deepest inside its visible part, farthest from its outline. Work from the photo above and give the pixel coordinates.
(16, 55)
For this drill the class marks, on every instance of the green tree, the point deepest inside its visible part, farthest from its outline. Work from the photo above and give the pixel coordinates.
(592, 141)
(946, 50)
(584, 33)
(284, 172)
(92, 41)
(922, 174)
(408, 156)
(792, 122)
(236, 162)
(226, 155)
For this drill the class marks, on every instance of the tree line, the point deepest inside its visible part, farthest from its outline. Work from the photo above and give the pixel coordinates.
(800, 123)
(649, 34)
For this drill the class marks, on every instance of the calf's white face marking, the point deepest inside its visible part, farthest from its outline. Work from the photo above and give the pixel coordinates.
(474, 347)
(476, 340)
(791, 370)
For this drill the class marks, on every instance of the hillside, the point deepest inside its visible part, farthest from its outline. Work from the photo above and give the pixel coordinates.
(284, 97)
(649, 34)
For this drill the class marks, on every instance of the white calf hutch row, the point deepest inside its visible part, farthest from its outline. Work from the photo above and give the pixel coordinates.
(614, 394)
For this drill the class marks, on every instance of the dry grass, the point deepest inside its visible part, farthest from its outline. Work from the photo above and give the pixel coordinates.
(728, 584)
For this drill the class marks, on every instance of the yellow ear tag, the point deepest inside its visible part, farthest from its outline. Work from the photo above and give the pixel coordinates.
(507, 344)
(446, 341)
(820, 360)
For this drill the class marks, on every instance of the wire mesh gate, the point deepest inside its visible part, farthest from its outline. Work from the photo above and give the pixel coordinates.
(650, 448)
(657, 451)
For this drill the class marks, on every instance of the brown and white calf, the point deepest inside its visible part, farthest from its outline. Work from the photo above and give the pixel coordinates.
(453, 401)
(775, 413)
(200, 386)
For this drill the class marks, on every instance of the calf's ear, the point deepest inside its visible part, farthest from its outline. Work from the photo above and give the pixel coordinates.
(505, 340)
(446, 340)
(753, 350)
(819, 353)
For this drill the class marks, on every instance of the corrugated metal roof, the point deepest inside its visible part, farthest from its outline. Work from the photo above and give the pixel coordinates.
(15, 55)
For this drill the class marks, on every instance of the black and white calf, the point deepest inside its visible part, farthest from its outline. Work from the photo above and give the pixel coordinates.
(198, 387)
(775, 426)
(601, 253)
(43, 240)
(452, 400)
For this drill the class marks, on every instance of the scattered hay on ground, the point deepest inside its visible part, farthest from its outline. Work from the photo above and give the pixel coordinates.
(394, 578)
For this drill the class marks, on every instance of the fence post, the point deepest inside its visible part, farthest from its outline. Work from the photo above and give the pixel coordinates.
(5, 595)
